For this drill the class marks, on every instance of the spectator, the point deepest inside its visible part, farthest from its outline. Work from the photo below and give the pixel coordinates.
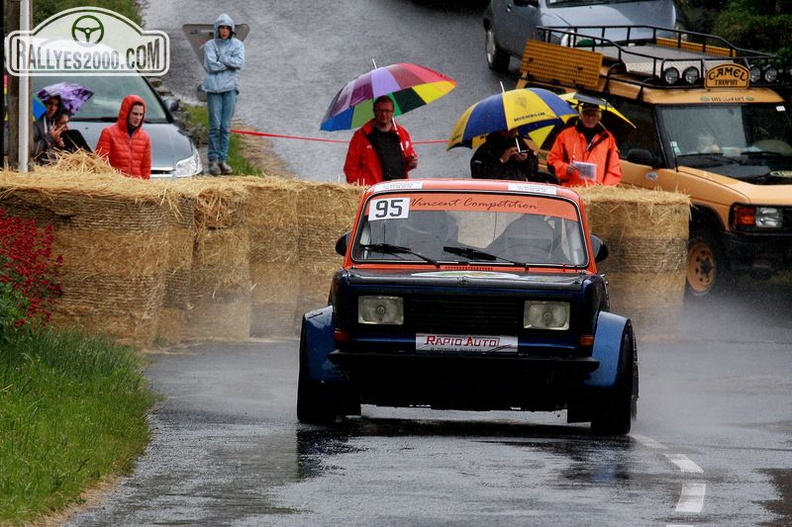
(504, 155)
(380, 150)
(125, 144)
(586, 153)
(224, 57)
(47, 132)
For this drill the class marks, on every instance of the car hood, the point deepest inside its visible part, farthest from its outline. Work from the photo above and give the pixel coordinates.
(169, 144)
(473, 278)
(614, 14)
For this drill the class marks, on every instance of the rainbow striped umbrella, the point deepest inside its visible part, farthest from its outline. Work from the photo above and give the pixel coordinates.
(409, 85)
(526, 110)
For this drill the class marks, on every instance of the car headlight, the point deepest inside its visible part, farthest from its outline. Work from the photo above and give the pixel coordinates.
(190, 166)
(378, 309)
(546, 315)
(758, 217)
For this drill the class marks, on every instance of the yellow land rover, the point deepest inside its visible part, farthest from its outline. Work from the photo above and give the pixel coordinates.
(709, 122)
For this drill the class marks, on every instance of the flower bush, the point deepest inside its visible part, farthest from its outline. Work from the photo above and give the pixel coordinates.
(28, 272)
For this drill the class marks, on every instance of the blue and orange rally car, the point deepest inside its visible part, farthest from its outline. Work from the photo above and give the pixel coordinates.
(469, 295)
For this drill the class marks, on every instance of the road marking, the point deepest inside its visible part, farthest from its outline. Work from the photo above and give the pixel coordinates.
(692, 498)
(649, 442)
(684, 463)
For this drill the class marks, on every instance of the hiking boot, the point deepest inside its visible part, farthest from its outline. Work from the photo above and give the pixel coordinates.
(225, 168)
(214, 168)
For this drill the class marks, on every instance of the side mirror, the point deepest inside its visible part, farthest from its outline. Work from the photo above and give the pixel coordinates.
(172, 104)
(639, 156)
(342, 244)
(599, 247)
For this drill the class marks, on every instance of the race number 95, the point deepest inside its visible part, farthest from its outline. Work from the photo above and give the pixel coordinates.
(389, 208)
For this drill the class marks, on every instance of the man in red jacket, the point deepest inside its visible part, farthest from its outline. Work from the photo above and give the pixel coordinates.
(125, 144)
(586, 153)
(380, 150)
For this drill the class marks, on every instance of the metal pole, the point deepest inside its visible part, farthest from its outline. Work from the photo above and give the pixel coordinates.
(24, 96)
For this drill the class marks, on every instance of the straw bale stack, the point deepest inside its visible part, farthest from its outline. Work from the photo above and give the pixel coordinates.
(108, 228)
(326, 211)
(646, 233)
(220, 273)
(273, 230)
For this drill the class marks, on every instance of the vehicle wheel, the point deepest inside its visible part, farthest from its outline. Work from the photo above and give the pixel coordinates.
(497, 59)
(615, 409)
(314, 405)
(706, 265)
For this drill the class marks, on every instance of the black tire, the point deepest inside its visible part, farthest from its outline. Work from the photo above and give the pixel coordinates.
(314, 404)
(616, 408)
(497, 59)
(707, 267)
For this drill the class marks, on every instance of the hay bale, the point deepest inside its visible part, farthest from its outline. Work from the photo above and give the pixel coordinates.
(276, 287)
(220, 274)
(646, 233)
(326, 211)
(272, 218)
(109, 230)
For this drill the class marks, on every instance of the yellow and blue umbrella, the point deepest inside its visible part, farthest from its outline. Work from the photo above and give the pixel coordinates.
(525, 110)
(409, 85)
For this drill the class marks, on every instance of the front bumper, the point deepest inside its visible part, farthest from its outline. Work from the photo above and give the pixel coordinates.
(759, 252)
(466, 382)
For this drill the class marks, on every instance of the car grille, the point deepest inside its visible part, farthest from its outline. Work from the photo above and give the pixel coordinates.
(476, 314)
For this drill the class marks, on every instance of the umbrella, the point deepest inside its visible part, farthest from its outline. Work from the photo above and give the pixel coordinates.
(72, 95)
(524, 109)
(612, 119)
(409, 85)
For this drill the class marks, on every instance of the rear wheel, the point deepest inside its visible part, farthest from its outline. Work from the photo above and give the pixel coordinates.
(497, 59)
(706, 265)
(616, 408)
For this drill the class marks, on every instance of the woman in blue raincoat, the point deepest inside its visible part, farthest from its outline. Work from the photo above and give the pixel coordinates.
(224, 57)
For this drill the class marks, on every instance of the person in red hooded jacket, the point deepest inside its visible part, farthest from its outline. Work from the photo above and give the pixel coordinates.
(125, 145)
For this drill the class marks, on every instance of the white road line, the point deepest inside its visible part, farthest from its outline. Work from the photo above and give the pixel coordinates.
(649, 442)
(692, 498)
(684, 463)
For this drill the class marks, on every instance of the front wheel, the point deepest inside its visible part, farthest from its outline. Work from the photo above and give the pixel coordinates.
(497, 59)
(617, 407)
(706, 265)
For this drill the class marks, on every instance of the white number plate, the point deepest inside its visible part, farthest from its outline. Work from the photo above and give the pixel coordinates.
(483, 343)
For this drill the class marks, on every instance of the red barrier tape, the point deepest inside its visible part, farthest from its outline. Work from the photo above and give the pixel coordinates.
(345, 141)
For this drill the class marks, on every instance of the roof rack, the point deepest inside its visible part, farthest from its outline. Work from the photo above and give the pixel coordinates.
(650, 53)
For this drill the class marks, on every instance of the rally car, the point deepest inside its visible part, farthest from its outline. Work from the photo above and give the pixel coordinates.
(469, 295)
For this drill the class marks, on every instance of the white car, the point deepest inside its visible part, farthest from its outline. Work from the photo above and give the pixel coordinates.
(509, 23)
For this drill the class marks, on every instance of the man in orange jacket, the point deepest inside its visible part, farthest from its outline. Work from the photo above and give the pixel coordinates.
(586, 153)
(379, 150)
(125, 145)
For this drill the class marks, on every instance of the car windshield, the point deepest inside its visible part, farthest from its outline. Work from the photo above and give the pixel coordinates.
(491, 229)
(109, 91)
(721, 134)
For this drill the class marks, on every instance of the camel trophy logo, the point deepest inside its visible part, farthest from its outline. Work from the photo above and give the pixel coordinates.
(87, 41)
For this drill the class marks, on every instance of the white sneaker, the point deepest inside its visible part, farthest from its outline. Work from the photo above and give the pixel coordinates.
(214, 168)
(225, 168)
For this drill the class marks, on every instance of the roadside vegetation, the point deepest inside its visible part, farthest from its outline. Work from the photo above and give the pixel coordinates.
(73, 408)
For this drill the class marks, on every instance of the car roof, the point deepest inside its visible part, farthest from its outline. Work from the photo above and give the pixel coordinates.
(473, 185)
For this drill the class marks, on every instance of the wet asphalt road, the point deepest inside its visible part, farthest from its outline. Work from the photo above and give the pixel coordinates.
(712, 444)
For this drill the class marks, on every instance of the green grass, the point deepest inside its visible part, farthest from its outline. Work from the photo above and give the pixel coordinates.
(196, 120)
(73, 410)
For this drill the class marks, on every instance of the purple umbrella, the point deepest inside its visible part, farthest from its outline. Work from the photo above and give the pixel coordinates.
(72, 95)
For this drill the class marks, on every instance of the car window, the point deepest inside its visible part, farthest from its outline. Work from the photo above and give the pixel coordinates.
(458, 227)
(109, 91)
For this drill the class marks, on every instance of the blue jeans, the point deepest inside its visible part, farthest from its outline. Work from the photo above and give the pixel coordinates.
(221, 109)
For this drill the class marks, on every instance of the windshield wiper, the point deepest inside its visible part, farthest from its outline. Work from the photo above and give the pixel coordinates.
(388, 248)
(470, 252)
